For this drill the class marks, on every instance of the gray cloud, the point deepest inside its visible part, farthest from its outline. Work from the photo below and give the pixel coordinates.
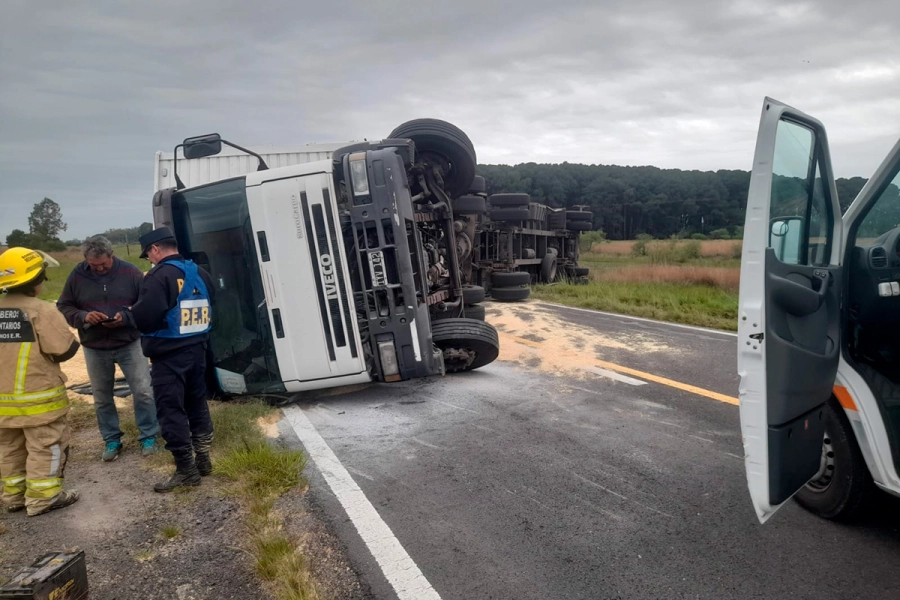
(88, 94)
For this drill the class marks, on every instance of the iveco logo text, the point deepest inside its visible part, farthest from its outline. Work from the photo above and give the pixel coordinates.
(297, 224)
(328, 276)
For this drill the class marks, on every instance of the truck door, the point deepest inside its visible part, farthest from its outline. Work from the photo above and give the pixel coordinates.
(789, 313)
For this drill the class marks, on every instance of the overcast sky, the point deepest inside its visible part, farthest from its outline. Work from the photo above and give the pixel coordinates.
(88, 94)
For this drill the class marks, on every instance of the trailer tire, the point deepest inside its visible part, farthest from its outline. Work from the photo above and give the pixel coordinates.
(579, 225)
(510, 294)
(472, 294)
(510, 200)
(449, 142)
(548, 267)
(475, 311)
(577, 215)
(456, 337)
(478, 185)
(469, 205)
(510, 214)
(843, 484)
(500, 279)
(580, 271)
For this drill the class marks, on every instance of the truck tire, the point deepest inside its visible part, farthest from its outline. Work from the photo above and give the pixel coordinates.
(467, 343)
(472, 294)
(509, 214)
(515, 278)
(579, 225)
(843, 484)
(577, 215)
(510, 200)
(510, 294)
(449, 142)
(548, 267)
(475, 311)
(478, 185)
(469, 205)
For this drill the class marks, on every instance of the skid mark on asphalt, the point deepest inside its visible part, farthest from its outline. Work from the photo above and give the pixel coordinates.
(618, 495)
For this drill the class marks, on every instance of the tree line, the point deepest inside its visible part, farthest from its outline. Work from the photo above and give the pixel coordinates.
(630, 201)
(45, 224)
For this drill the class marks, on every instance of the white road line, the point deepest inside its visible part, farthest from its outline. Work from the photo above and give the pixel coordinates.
(616, 376)
(401, 572)
(642, 319)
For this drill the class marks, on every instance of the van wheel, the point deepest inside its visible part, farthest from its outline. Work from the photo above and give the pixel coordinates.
(843, 483)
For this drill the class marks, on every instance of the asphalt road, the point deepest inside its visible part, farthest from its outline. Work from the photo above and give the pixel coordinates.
(529, 479)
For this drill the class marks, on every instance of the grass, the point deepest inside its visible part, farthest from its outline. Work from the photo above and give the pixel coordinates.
(702, 305)
(259, 473)
(69, 259)
(145, 555)
(169, 531)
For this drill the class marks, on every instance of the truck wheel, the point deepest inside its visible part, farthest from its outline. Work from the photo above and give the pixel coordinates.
(478, 185)
(579, 225)
(500, 279)
(433, 136)
(472, 294)
(577, 215)
(509, 214)
(510, 294)
(548, 267)
(510, 200)
(843, 482)
(468, 205)
(475, 311)
(467, 343)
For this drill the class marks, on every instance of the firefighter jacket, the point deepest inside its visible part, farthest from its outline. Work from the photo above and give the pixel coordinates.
(34, 339)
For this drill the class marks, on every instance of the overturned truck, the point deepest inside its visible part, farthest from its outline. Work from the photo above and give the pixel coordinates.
(349, 263)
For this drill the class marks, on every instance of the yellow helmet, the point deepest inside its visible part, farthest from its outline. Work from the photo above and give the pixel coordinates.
(18, 266)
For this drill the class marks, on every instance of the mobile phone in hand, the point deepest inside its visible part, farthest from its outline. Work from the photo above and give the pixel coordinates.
(108, 320)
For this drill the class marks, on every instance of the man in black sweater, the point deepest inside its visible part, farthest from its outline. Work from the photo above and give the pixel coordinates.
(94, 301)
(174, 314)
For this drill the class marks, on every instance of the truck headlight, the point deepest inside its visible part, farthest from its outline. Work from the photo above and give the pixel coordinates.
(389, 363)
(359, 176)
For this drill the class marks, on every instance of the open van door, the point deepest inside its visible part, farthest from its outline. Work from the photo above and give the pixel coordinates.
(789, 314)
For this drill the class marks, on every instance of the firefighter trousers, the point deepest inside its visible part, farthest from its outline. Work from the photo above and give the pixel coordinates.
(32, 463)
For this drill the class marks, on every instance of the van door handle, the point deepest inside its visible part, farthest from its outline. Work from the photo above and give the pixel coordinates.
(279, 328)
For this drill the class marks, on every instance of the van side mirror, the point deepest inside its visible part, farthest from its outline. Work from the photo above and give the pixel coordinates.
(202, 146)
(786, 238)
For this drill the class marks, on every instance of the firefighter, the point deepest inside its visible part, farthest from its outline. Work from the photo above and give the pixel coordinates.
(173, 314)
(34, 428)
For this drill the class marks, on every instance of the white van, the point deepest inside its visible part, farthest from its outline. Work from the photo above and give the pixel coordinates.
(818, 325)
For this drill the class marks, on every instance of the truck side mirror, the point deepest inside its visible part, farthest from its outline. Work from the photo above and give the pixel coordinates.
(786, 238)
(202, 146)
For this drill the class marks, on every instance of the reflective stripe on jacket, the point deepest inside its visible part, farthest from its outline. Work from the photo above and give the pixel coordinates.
(32, 385)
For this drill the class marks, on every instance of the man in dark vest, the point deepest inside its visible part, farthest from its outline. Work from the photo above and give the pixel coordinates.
(174, 314)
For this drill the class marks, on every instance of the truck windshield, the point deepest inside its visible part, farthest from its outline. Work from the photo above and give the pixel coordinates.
(212, 224)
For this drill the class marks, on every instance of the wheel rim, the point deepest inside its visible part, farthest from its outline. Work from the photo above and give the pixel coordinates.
(821, 481)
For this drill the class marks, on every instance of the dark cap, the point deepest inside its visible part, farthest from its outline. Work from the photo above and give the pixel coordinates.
(154, 237)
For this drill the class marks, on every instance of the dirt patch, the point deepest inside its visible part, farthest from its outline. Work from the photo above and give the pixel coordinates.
(143, 545)
(535, 337)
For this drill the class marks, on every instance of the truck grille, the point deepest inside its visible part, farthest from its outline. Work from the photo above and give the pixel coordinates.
(329, 272)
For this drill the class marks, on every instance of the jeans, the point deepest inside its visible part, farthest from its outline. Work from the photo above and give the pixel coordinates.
(101, 368)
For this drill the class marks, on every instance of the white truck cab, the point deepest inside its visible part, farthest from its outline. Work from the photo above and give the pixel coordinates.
(818, 325)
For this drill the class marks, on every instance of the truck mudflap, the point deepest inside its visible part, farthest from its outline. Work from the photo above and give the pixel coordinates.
(383, 241)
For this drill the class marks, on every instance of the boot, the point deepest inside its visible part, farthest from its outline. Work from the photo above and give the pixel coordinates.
(201, 449)
(185, 475)
(64, 499)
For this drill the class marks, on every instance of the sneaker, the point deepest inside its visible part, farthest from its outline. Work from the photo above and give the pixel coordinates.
(64, 499)
(148, 447)
(112, 452)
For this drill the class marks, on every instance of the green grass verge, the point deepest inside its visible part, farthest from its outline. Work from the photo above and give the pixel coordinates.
(699, 305)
